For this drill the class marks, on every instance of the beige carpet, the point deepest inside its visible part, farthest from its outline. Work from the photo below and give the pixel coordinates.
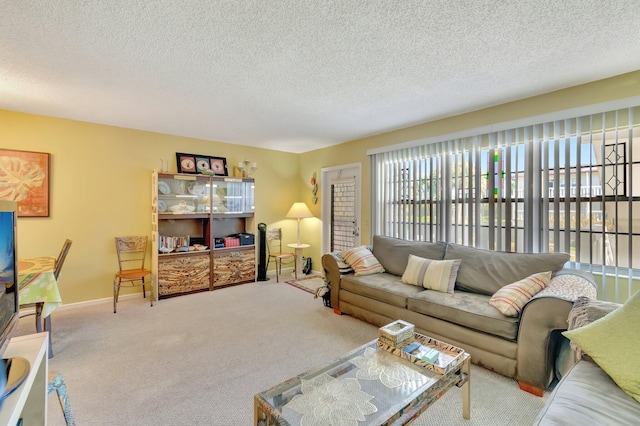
(199, 359)
(309, 283)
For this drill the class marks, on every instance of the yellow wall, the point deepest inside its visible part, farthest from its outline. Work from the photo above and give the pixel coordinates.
(100, 187)
(100, 177)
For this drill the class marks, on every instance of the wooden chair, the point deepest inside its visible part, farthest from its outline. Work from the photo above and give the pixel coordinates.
(131, 256)
(61, 257)
(275, 253)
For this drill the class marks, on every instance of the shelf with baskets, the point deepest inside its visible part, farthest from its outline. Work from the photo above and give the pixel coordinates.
(198, 222)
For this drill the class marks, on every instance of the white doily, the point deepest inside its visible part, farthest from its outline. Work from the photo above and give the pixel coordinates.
(375, 364)
(329, 401)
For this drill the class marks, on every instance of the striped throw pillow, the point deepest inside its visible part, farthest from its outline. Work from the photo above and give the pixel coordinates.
(511, 298)
(362, 261)
(439, 275)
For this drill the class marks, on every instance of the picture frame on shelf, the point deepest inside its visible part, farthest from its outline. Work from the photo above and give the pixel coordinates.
(30, 184)
(186, 163)
(218, 166)
(201, 164)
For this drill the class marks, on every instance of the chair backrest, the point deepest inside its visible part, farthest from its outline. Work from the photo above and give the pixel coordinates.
(61, 257)
(131, 252)
(274, 240)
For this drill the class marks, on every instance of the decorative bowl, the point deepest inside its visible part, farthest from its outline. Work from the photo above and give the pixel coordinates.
(163, 187)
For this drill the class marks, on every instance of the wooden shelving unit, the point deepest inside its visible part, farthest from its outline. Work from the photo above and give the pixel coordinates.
(206, 209)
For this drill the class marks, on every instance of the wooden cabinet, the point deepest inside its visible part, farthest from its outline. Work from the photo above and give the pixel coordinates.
(183, 273)
(233, 266)
(191, 214)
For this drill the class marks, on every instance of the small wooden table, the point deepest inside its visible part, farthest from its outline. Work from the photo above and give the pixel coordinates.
(37, 284)
(298, 253)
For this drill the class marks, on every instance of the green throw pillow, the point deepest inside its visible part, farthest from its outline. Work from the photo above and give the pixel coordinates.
(612, 342)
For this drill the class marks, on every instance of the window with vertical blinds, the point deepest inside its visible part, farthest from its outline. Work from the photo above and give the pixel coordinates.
(571, 185)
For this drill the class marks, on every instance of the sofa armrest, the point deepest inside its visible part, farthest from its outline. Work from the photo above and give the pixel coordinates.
(332, 277)
(541, 320)
(537, 342)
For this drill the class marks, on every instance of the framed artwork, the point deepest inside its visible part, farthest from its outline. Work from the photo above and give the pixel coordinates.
(201, 164)
(186, 163)
(24, 178)
(218, 166)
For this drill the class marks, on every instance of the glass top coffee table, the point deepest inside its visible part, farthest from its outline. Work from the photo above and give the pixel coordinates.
(368, 386)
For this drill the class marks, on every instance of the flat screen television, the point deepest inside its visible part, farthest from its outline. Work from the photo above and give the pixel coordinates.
(8, 273)
(9, 314)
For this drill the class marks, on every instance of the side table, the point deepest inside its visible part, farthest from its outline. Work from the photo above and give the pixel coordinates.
(298, 253)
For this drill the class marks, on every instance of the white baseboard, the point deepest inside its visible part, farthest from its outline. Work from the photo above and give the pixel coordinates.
(286, 274)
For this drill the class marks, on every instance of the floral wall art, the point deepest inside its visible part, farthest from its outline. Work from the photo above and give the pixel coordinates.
(24, 177)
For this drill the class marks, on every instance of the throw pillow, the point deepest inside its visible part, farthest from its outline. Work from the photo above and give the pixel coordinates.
(612, 342)
(439, 275)
(511, 298)
(343, 266)
(362, 261)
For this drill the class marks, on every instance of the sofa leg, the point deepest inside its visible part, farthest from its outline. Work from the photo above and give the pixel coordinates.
(531, 389)
(336, 311)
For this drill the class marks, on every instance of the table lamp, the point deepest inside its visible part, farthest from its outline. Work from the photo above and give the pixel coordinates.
(299, 211)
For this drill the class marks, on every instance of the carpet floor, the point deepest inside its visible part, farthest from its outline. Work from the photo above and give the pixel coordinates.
(200, 359)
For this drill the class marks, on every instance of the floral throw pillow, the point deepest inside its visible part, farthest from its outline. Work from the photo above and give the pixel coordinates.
(362, 261)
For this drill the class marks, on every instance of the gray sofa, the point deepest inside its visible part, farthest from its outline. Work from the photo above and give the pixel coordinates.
(522, 347)
(586, 394)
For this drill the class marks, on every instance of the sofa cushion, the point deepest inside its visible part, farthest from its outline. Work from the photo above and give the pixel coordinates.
(612, 342)
(470, 310)
(439, 275)
(393, 253)
(382, 287)
(587, 396)
(486, 271)
(362, 261)
(511, 298)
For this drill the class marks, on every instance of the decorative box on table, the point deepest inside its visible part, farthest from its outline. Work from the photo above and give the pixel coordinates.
(449, 356)
(398, 333)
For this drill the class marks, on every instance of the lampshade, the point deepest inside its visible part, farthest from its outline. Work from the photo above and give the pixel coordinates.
(299, 211)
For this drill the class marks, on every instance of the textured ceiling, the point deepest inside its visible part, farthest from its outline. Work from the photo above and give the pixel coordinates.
(295, 75)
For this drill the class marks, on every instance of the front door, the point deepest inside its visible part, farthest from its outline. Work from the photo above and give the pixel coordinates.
(341, 207)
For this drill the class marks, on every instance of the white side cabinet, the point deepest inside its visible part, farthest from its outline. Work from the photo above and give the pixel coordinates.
(29, 401)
